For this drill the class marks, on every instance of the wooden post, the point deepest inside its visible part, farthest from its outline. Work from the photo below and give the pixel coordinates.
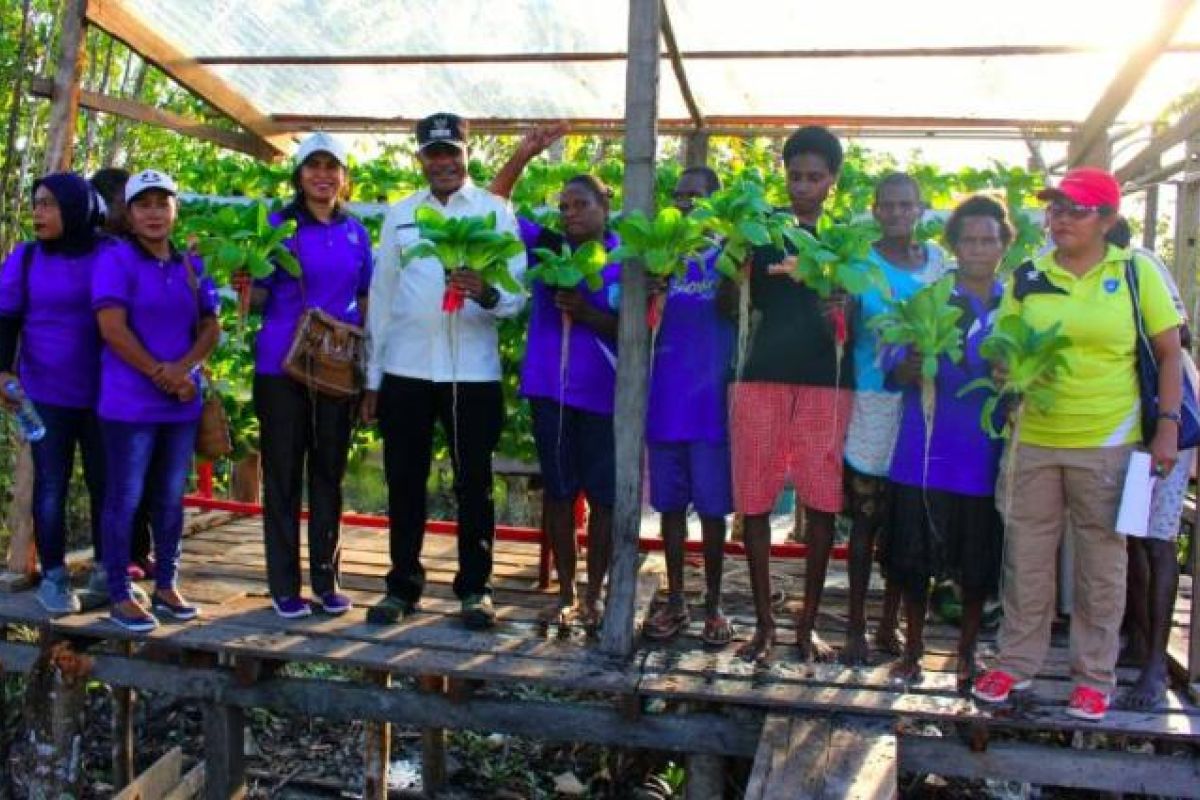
(64, 107)
(696, 149)
(705, 777)
(433, 743)
(1150, 218)
(22, 555)
(378, 748)
(1187, 227)
(47, 759)
(224, 752)
(641, 117)
(122, 729)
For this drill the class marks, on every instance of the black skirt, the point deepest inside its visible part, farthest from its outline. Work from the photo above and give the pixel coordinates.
(943, 535)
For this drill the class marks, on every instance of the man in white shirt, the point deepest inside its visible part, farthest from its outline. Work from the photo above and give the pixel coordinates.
(428, 365)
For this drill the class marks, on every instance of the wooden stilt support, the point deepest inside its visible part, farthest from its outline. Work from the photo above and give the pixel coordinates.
(224, 751)
(705, 777)
(47, 761)
(377, 754)
(122, 724)
(433, 743)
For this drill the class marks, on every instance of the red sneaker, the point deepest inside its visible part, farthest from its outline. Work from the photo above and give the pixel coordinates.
(1087, 704)
(995, 685)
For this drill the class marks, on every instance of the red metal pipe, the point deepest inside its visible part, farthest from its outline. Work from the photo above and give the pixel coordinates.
(506, 533)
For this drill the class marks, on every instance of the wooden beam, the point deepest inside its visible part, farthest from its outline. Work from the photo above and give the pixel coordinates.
(1095, 128)
(549, 720)
(695, 149)
(641, 133)
(715, 124)
(64, 108)
(1100, 770)
(157, 781)
(681, 78)
(424, 59)
(121, 22)
(377, 747)
(1187, 231)
(150, 115)
(1184, 128)
(224, 751)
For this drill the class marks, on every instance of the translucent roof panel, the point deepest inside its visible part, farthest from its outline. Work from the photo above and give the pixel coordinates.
(733, 56)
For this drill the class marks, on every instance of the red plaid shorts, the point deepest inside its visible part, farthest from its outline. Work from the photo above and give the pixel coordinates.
(780, 434)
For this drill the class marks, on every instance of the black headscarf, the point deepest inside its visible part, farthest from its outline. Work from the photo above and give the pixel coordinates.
(80, 209)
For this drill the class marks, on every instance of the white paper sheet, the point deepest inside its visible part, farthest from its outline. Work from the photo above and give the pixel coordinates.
(1133, 517)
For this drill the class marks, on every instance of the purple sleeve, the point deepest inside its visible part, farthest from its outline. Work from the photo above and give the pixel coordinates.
(366, 267)
(12, 283)
(110, 279)
(529, 231)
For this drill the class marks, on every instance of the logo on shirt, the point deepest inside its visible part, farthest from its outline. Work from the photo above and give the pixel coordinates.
(1112, 284)
(352, 235)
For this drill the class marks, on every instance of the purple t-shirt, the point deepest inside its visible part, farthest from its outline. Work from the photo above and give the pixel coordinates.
(335, 257)
(962, 458)
(59, 362)
(162, 310)
(592, 359)
(691, 361)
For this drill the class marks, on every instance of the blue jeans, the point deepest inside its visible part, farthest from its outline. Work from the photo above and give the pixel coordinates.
(53, 460)
(150, 459)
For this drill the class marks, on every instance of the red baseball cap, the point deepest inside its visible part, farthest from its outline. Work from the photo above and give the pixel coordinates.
(1086, 186)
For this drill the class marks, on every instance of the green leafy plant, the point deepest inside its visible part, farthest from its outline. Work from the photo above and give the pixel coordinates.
(1034, 360)
(741, 217)
(836, 260)
(238, 238)
(471, 243)
(664, 244)
(927, 323)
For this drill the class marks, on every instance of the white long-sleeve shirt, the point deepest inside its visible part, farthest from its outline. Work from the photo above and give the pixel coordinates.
(408, 334)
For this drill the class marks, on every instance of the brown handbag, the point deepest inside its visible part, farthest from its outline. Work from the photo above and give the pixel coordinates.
(214, 439)
(326, 355)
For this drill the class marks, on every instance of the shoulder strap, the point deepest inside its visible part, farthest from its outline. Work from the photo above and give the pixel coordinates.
(1139, 321)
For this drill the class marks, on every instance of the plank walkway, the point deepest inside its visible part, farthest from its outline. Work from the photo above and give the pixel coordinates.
(223, 571)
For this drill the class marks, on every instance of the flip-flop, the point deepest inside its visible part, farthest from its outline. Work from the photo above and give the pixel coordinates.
(718, 631)
(666, 622)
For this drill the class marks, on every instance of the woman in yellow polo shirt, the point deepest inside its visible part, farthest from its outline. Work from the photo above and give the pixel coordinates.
(1071, 460)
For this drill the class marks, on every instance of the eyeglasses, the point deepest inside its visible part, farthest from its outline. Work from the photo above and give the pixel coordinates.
(45, 202)
(1061, 208)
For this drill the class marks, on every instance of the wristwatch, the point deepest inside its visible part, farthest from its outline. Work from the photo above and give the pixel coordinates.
(491, 297)
(1171, 415)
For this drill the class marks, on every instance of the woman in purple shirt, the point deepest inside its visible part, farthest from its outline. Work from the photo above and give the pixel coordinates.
(157, 314)
(300, 430)
(46, 305)
(944, 521)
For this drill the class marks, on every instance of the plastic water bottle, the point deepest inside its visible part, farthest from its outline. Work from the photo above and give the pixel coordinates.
(32, 427)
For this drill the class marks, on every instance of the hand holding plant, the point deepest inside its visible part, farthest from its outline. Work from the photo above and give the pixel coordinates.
(471, 243)
(664, 244)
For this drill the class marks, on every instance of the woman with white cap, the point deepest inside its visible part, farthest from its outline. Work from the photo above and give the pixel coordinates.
(1070, 459)
(300, 430)
(157, 315)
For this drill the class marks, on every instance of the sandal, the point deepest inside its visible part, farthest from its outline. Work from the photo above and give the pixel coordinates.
(666, 622)
(718, 631)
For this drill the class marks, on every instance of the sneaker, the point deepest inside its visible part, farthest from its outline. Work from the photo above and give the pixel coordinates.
(95, 593)
(183, 612)
(291, 607)
(55, 593)
(334, 603)
(1087, 704)
(390, 610)
(478, 613)
(135, 572)
(139, 623)
(995, 685)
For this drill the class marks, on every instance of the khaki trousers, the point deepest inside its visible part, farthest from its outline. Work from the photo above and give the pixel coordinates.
(1048, 484)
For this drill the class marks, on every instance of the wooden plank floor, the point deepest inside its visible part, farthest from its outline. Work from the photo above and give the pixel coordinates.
(223, 571)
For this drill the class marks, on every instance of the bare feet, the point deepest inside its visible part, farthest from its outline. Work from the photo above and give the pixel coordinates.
(1134, 653)
(591, 614)
(889, 640)
(1149, 691)
(812, 647)
(855, 652)
(760, 647)
(907, 669)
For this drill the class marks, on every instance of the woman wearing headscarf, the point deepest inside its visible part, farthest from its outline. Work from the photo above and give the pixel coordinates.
(46, 314)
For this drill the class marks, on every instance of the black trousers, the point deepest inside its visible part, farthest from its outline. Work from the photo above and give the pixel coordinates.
(471, 414)
(301, 431)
